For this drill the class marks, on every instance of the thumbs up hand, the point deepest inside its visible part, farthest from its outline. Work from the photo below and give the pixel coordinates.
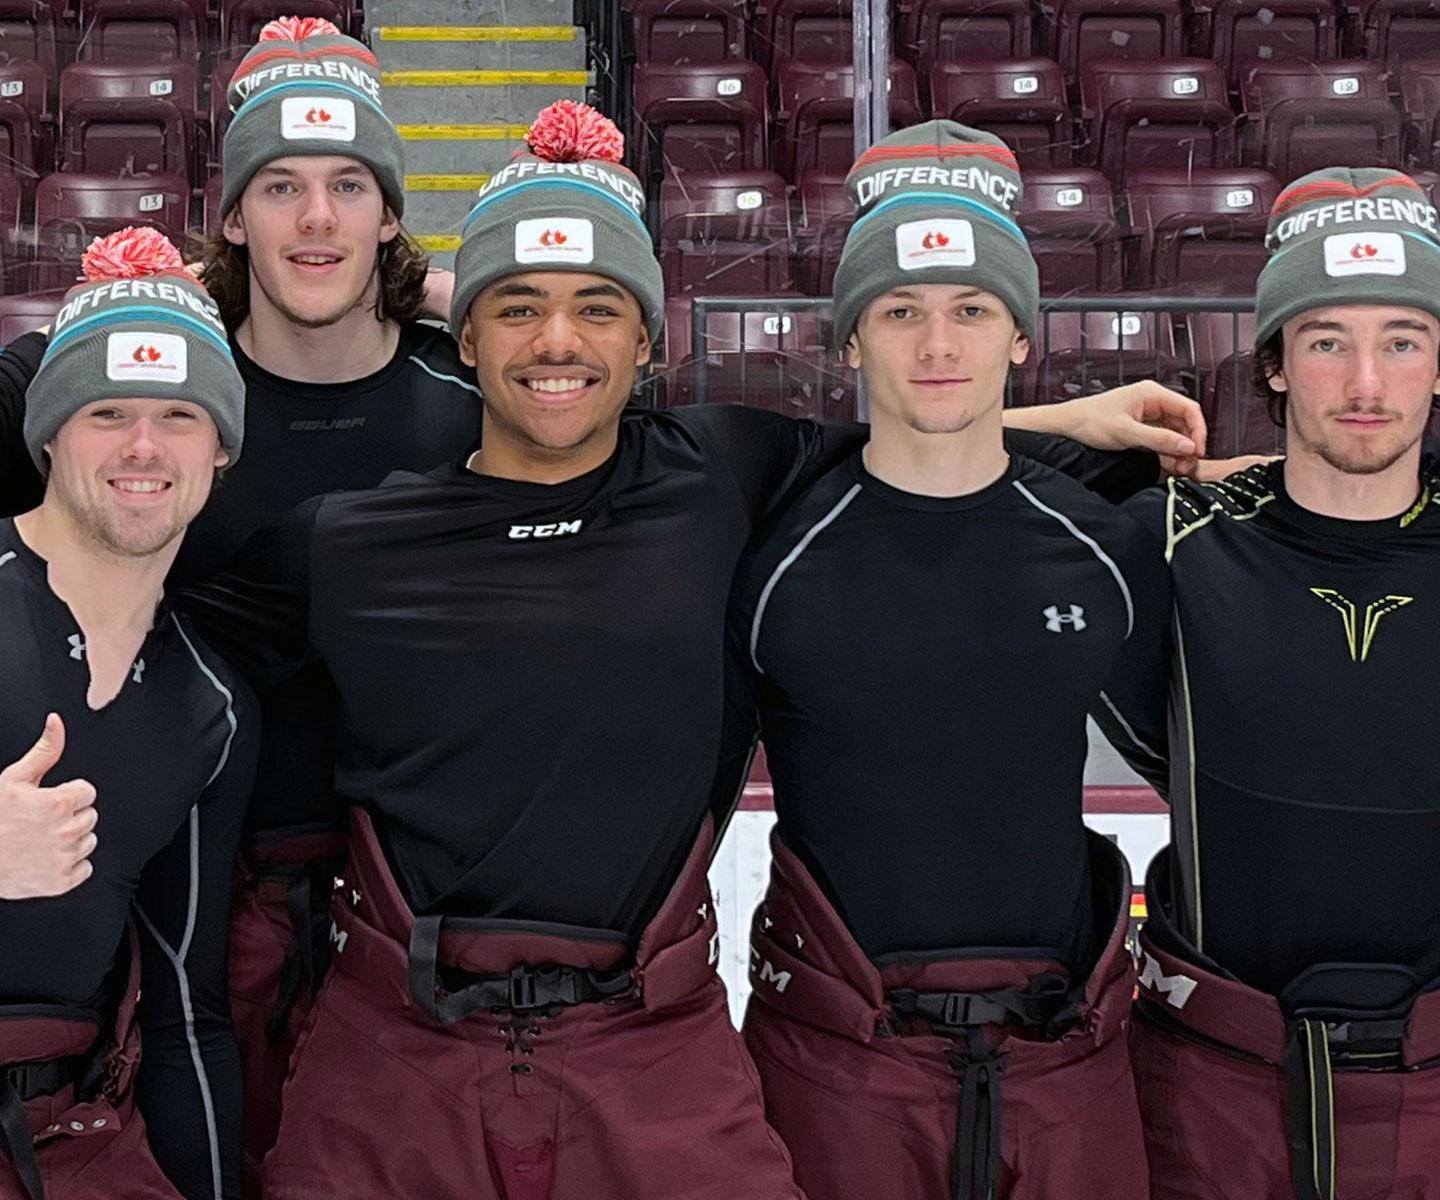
(46, 833)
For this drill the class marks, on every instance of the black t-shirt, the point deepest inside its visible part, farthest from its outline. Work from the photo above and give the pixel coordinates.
(301, 439)
(923, 668)
(171, 758)
(1302, 784)
(531, 676)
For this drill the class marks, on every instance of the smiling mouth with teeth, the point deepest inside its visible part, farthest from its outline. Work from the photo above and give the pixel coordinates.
(557, 385)
(315, 260)
(139, 486)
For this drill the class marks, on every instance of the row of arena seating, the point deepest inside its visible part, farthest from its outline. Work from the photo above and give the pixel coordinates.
(925, 32)
(1289, 116)
(53, 33)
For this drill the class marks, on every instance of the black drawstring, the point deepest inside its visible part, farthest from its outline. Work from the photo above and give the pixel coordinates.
(15, 1139)
(975, 1166)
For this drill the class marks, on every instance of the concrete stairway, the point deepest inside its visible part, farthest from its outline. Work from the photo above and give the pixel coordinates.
(462, 81)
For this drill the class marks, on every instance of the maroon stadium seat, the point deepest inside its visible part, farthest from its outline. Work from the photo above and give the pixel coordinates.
(1390, 32)
(1237, 423)
(1111, 29)
(128, 118)
(1021, 100)
(1419, 81)
(816, 30)
(1078, 354)
(936, 31)
(142, 30)
(13, 251)
(24, 119)
(26, 313)
(220, 76)
(787, 365)
(685, 31)
(71, 209)
(1156, 114)
(1237, 33)
(27, 31)
(214, 187)
(826, 214)
(707, 117)
(1300, 117)
(1201, 229)
(725, 234)
(242, 20)
(814, 126)
(1068, 215)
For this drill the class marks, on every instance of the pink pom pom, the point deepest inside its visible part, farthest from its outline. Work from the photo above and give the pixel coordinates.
(296, 29)
(571, 132)
(130, 253)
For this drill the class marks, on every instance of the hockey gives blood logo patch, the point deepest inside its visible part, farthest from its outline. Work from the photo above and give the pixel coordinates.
(1364, 254)
(947, 243)
(151, 357)
(323, 118)
(555, 239)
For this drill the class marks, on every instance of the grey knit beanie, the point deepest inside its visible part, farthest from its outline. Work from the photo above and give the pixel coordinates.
(139, 327)
(306, 88)
(936, 204)
(563, 203)
(1348, 236)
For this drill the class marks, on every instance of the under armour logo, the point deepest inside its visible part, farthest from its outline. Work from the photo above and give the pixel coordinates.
(1359, 637)
(1055, 620)
(77, 646)
(138, 670)
(1175, 988)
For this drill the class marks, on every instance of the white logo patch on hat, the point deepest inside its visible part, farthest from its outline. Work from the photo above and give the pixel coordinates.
(555, 239)
(921, 244)
(158, 357)
(326, 118)
(1364, 254)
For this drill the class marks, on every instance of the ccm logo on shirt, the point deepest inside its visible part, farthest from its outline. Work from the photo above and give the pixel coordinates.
(559, 529)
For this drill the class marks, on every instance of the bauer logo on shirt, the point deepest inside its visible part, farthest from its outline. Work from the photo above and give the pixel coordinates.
(151, 357)
(555, 239)
(945, 243)
(311, 118)
(1349, 254)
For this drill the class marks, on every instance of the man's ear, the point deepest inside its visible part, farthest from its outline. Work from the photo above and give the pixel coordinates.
(1019, 349)
(644, 347)
(233, 226)
(466, 341)
(389, 226)
(1278, 383)
(852, 351)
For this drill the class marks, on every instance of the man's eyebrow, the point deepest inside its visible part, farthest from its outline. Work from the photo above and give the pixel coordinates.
(601, 289)
(1409, 323)
(1326, 326)
(520, 289)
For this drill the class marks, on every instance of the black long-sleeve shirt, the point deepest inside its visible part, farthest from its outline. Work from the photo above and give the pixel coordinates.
(531, 676)
(301, 439)
(1306, 814)
(171, 758)
(923, 667)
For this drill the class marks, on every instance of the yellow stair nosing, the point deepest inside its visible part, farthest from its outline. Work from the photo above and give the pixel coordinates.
(444, 133)
(445, 183)
(497, 78)
(475, 33)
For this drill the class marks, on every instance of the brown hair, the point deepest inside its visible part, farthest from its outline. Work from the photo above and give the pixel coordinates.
(402, 265)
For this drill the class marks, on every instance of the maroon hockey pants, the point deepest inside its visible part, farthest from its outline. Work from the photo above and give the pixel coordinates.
(490, 1060)
(1027, 1095)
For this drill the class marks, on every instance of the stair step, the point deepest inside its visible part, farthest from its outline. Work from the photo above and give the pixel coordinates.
(484, 97)
(469, 12)
(479, 47)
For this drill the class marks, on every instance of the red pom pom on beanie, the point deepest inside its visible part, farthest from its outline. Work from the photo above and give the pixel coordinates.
(130, 253)
(567, 131)
(296, 29)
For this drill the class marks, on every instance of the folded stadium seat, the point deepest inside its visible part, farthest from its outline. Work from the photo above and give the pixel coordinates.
(242, 20)
(1021, 100)
(825, 216)
(1155, 114)
(1299, 117)
(13, 248)
(814, 122)
(1221, 347)
(142, 30)
(129, 118)
(682, 31)
(816, 30)
(27, 31)
(220, 114)
(725, 234)
(936, 31)
(1201, 229)
(1111, 29)
(25, 119)
(1237, 33)
(1078, 354)
(71, 209)
(706, 117)
(787, 363)
(1068, 215)
(28, 312)
(1390, 32)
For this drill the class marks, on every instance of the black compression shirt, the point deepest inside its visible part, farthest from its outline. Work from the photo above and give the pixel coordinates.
(171, 758)
(1306, 823)
(923, 668)
(532, 676)
(301, 439)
